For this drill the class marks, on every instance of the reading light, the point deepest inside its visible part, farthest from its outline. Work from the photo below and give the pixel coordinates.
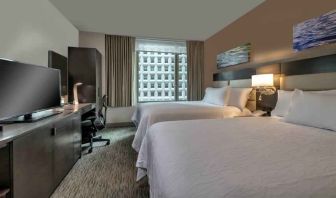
(264, 84)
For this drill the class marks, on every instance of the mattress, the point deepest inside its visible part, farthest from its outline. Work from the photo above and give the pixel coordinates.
(241, 157)
(147, 114)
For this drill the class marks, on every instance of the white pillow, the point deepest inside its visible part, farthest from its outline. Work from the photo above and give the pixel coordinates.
(313, 109)
(283, 103)
(285, 98)
(239, 97)
(217, 96)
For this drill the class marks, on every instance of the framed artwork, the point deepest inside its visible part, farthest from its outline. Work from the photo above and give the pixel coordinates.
(235, 56)
(315, 32)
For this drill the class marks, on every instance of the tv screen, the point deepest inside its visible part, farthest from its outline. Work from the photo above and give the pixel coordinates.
(25, 89)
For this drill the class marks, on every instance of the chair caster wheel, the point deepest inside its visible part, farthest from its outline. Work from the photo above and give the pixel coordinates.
(90, 150)
(108, 143)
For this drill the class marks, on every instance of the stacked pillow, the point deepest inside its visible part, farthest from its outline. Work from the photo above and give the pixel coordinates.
(284, 100)
(315, 109)
(227, 96)
(239, 97)
(217, 96)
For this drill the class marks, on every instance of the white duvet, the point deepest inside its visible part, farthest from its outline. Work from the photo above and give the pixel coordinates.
(241, 157)
(147, 114)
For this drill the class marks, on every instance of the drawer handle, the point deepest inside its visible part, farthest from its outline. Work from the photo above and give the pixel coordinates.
(54, 131)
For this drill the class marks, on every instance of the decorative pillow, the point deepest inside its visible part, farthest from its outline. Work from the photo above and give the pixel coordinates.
(283, 103)
(239, 97)
(313, 109)
(217, 96)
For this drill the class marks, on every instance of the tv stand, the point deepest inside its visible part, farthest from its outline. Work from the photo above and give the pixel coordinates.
(34, 159)
(32, 117)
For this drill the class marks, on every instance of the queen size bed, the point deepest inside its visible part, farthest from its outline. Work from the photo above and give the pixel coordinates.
(147, 114)
(241, 157)
(290, 156)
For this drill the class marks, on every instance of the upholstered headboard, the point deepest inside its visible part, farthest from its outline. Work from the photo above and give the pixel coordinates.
(308, 74)
(218, 84)
(311, 82)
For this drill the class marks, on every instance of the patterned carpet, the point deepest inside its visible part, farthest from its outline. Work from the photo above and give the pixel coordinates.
(107, 172)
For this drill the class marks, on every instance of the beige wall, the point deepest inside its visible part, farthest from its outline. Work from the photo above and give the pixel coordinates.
(269, 29)
(30, 28)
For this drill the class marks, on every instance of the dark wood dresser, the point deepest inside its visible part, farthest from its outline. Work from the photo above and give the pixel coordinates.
(35, 157)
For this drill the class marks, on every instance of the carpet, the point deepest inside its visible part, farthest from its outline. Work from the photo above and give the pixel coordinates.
(108, 171)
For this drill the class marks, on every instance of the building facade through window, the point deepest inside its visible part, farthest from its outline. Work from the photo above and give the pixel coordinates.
(162, 71)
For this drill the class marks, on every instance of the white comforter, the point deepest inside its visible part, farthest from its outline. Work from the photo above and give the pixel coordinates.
(242, 157)
(147, 114)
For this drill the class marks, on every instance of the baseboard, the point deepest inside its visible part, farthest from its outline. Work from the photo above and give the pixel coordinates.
(120, 124)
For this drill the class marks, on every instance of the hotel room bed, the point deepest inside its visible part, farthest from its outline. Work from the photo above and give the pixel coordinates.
(241, 157)
(148, 114)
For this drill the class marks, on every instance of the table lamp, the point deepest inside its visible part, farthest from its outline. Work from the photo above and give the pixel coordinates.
(264, 84)
(75, 92)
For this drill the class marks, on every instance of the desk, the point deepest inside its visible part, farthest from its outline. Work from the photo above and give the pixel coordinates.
(35, 157)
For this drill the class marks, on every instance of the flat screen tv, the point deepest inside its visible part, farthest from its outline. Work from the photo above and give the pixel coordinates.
(26, 89)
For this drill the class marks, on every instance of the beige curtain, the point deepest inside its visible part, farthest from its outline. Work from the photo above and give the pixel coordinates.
(120, 53)
(195, 53)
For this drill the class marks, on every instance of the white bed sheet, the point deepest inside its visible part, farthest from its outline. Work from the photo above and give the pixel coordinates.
(147, 114)
(241, 157)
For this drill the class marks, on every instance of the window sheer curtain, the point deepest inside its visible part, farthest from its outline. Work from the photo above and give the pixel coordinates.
(195, 54)
(120, 57)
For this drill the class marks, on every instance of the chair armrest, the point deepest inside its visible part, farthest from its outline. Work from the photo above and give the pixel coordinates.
(86, 123)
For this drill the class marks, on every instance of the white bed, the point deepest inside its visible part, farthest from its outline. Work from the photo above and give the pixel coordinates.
(148, 114)
(241, 157)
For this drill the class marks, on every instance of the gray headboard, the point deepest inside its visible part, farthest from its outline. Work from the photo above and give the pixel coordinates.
(311, 82)
(308, 74)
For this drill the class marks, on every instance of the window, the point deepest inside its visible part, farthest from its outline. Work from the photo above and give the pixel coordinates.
(157, 64)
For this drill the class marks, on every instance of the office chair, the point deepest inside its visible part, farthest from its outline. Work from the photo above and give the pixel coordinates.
(94, 123)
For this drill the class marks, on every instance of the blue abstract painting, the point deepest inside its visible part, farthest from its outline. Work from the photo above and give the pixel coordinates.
(234, 56)
(315, 32)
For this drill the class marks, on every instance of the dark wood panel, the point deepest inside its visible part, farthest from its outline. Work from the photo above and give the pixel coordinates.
(57, 61)
(234, 75)
(77, 130)
(85, 67)
(323, 64)
(5, 171)
(269, 69)
(32, 164)
(63, 156)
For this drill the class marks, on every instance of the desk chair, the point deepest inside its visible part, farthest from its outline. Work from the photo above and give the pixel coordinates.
(92, 124)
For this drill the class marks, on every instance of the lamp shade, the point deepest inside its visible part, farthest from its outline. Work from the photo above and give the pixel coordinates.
(262, 80)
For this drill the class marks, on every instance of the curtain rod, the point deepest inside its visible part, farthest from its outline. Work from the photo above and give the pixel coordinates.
(160, 39)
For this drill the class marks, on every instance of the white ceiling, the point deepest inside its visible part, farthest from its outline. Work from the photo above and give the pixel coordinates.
(173, 19)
